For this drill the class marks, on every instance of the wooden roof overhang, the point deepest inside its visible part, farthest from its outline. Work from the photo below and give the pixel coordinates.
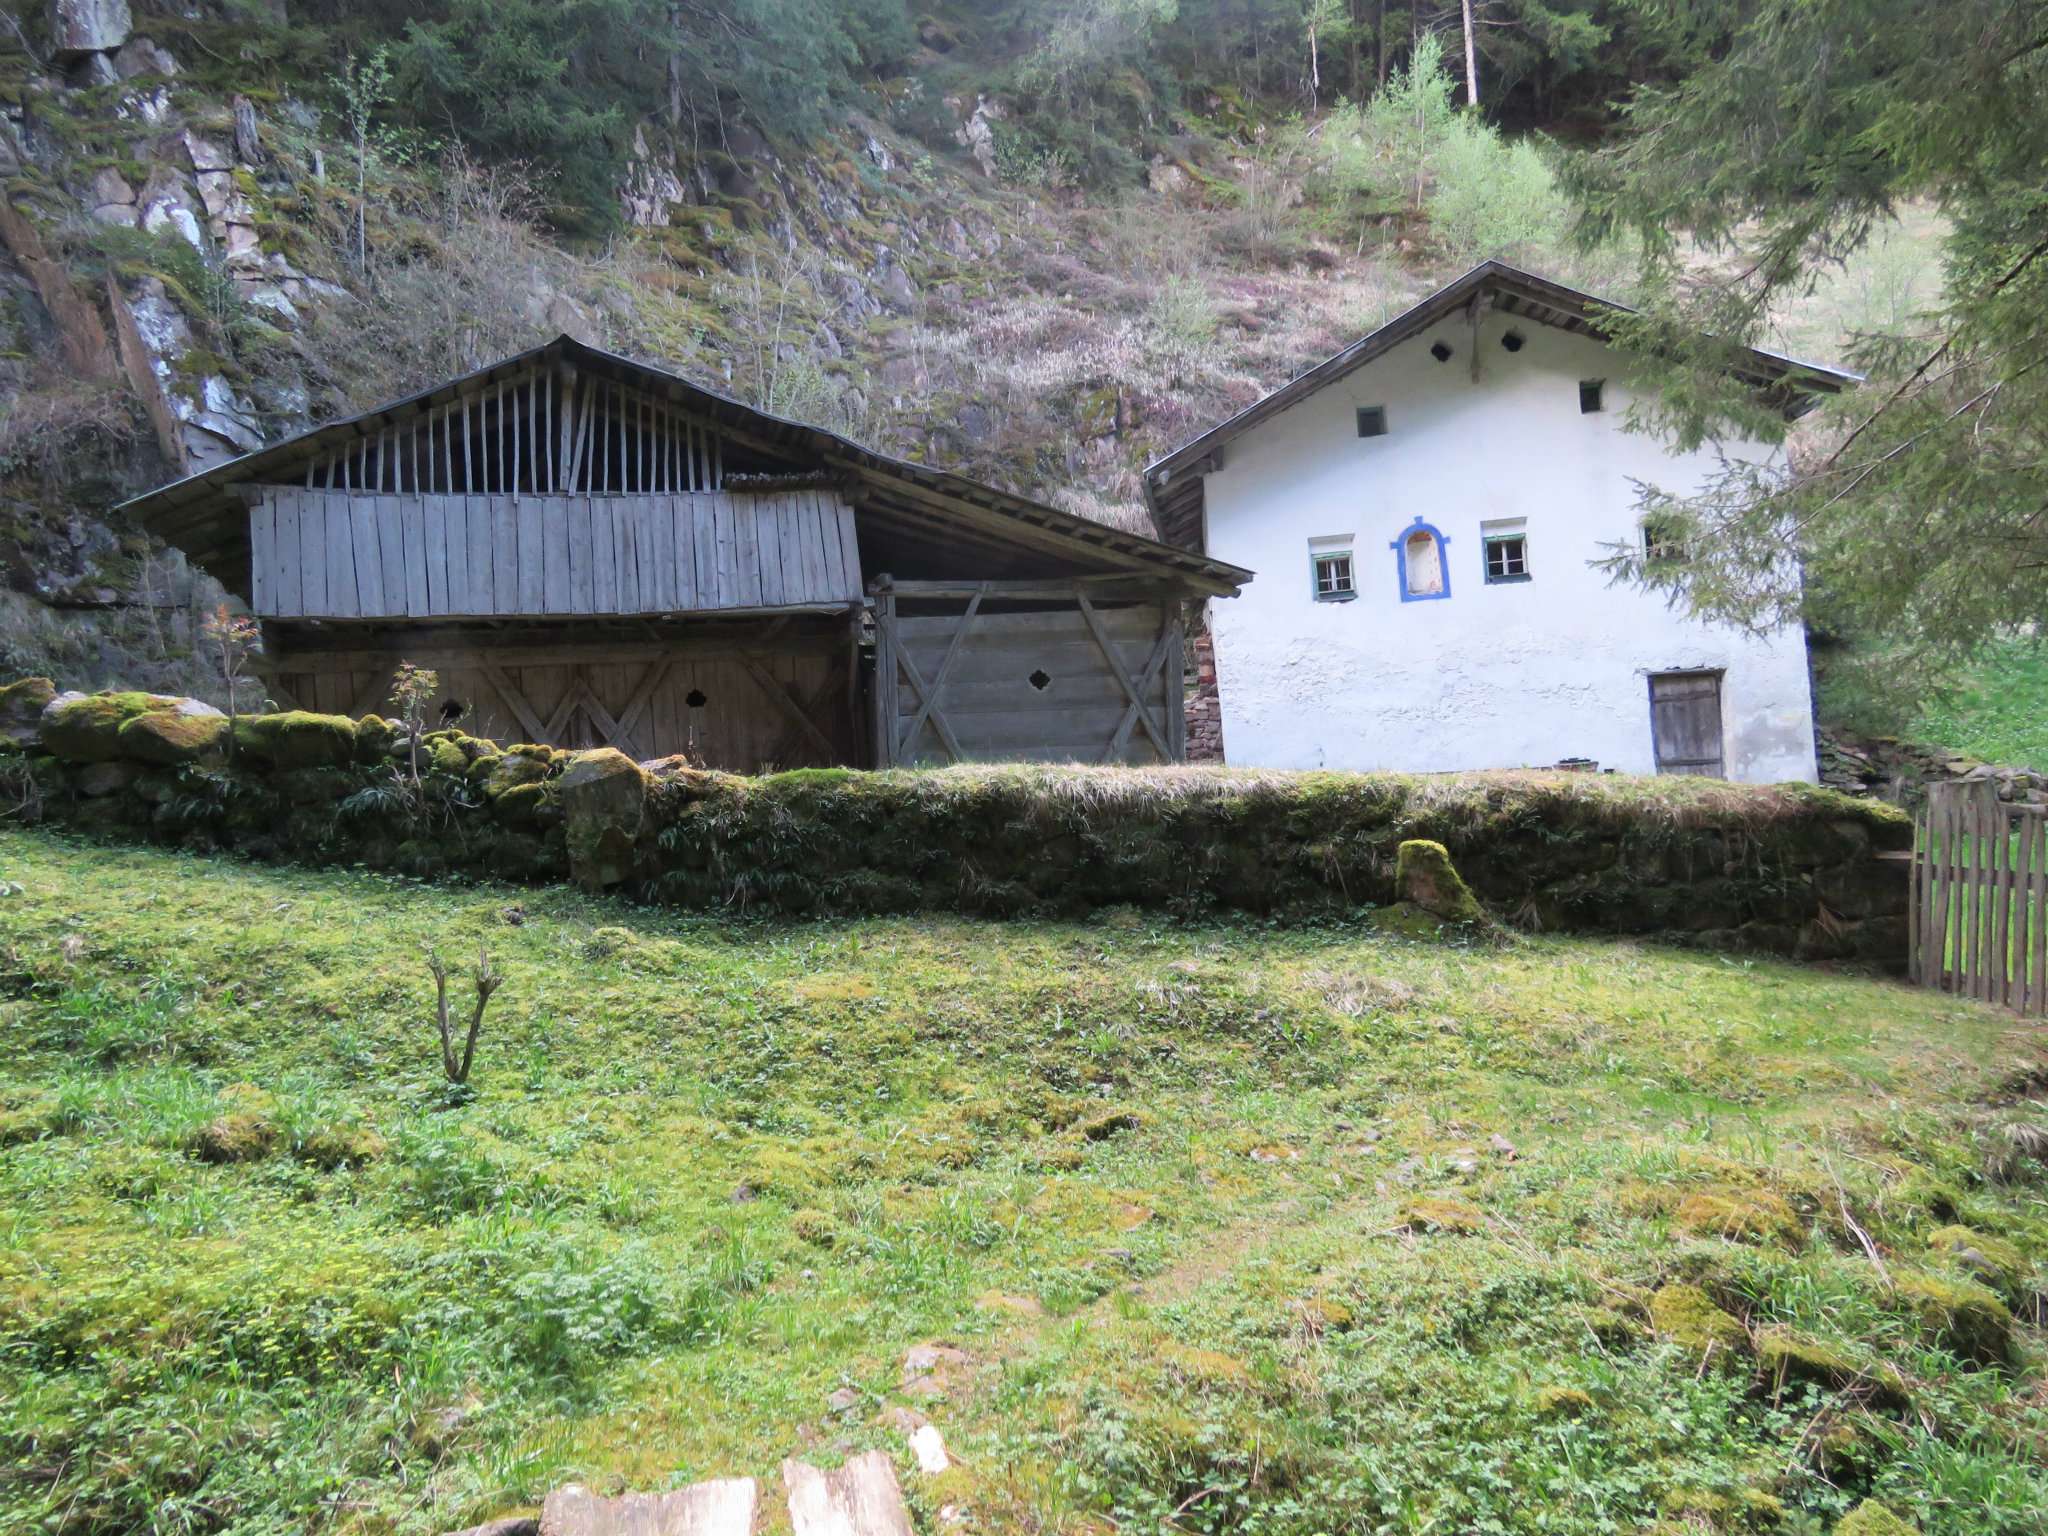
(205, 514)
(1173, 484)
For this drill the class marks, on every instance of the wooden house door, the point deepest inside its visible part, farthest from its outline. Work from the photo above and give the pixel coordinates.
(1685, 722)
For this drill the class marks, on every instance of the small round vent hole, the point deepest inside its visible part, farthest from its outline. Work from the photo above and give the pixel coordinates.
(1041, 680)
(1441, 352)
(696, 698)
(1512, 341)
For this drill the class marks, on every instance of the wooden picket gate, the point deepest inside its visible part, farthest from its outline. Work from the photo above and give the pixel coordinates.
(1979, 924)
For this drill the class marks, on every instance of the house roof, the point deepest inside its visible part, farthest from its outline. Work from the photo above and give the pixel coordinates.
(1511, 291)
(204, 515)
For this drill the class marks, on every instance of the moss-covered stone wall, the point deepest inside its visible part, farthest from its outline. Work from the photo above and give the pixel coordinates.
(1788, 869)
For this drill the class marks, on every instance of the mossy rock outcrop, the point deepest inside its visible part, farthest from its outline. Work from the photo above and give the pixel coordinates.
(1687, 1316)
(168, 738)
(244, 1132)
(86, 728)
(1958, 1315)
(1871, 1518)
(1995, 1262)
(1786, 1357)
(604, 802)
(21, 710)
(1425, 877)
(296, 738)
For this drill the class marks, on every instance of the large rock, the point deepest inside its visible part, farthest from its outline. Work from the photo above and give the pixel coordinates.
(80, 27)
(296, 739)
(86, 728)
(722, 1507)
(21, 710)
(1425, 876)
(604, 802)
(169, 737)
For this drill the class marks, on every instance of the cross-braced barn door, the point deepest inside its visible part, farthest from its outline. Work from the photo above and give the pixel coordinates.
(1077, 683)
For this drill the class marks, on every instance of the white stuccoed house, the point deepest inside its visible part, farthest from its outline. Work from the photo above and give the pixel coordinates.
(1423, 510)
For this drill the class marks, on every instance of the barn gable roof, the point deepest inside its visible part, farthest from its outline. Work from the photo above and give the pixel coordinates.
(1174, 495)
(204, 514)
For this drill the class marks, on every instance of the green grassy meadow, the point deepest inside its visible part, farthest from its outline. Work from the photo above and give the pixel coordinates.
(1235, 1228)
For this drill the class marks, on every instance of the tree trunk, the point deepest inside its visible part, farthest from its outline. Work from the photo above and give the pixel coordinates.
(1471, 61)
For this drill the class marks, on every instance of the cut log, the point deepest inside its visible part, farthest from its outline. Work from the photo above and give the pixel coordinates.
(859, 1499)
(724, 1506)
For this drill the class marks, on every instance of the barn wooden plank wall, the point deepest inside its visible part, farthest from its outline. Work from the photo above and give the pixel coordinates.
(544, 430)
(742, 704)
(1081, 683)
(361, 555)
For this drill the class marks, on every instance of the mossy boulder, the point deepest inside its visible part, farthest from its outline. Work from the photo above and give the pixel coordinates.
(1743, 1216)
(1687, 1316)
(1562, 1402)
(332, 1147)
(1435, 1215)
(1871, 1518)
(21, 710)
(1425, 876)
(814, 1227)
(378, 739)
(167, 738)
(86, 728)
(604, 802)
(296, 738)
(1959, 1315)
(512, 770)
(1994, 1261)
(244, 1132)
(1785, 1357)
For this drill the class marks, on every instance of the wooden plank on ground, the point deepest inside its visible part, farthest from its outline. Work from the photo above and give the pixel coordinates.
(722, 1507)
(859, 1499)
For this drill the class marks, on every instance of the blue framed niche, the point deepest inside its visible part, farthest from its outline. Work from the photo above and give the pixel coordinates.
(1422, 566)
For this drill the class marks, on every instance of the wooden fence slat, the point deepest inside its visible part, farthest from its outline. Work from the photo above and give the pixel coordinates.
(2001, 905)
(2037, 990)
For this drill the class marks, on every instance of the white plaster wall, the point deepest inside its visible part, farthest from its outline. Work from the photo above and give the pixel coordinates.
(1497, 676)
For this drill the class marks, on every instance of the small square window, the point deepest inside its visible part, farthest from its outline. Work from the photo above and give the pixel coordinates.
(1372, 421)
(1589, 396)
(1663, 541)
(1333, 576)
(1507, 557)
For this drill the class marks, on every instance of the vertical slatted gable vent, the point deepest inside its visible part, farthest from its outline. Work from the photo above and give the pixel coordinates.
(546, 431)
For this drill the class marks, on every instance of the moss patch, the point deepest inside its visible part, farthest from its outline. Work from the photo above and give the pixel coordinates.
(167, 739)
(296, 739)
(1959, 1315)
(1688, 1317)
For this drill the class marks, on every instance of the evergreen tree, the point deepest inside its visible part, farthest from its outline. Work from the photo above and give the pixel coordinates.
(1799, 127)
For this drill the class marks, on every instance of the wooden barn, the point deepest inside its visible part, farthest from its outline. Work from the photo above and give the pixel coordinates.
(593, 552)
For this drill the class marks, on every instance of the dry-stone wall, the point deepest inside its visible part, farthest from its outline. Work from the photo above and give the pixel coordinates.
(1789, 870)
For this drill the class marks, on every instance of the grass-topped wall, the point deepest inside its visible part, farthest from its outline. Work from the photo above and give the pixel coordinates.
(1787, 869)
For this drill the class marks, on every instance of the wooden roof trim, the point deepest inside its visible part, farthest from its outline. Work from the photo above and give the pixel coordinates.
(1576, 310)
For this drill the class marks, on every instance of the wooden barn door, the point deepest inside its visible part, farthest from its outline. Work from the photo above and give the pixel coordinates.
(1685, 722)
